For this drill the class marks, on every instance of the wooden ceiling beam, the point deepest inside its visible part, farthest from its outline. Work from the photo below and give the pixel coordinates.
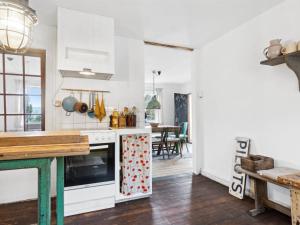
(168, 46)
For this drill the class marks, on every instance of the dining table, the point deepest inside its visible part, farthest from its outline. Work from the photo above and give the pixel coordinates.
(167, 128)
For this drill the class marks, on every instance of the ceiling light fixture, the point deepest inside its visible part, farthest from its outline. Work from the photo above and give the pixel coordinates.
(16, 22)
(87, 72)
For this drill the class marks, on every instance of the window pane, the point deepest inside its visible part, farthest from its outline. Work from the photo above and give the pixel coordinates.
(1, 84)
(14, 105)
(1, 123)
(14, 84)
(33, 122)
(1, 104)
(33, 85)
(32, 65)
(15, 123)
(33, 105)
(13, 64)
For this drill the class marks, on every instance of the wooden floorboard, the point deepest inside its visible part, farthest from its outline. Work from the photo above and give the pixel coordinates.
(177, 200)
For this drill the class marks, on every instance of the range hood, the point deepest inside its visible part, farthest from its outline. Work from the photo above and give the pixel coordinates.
(86, 74)
(85, 45)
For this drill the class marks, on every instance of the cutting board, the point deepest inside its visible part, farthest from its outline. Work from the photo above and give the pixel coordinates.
(30, 145)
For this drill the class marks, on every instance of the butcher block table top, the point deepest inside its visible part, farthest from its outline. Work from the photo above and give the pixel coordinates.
(42, 144)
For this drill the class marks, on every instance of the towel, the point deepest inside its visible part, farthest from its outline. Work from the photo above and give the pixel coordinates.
(102, 110)
(97, 108)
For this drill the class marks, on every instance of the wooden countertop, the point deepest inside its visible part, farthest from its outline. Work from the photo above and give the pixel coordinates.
(42, 144)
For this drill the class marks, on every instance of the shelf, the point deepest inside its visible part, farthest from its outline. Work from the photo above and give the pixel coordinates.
(84, 90)
(292, 60)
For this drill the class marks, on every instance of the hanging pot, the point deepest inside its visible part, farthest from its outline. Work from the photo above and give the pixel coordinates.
(68, 104)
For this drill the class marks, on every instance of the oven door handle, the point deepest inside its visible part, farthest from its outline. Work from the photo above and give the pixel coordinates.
(99, 147)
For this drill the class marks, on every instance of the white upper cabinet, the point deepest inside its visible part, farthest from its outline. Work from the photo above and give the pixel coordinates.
(85, 41)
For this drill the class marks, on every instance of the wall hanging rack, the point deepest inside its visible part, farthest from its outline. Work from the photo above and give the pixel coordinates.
(292, 60)
(84, 90)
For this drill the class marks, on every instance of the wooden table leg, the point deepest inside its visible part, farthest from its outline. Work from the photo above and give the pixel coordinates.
(60, 191)
(44, 199)
(261, 193)
(295, 207)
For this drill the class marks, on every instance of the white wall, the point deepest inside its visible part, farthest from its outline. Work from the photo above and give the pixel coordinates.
(167, 102)
(127, 89)
(244, 98)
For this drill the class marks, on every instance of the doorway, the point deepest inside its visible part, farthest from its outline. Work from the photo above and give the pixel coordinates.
(172, 89)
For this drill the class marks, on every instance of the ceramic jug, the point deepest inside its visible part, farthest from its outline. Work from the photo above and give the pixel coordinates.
(289, 47)
(274, 50)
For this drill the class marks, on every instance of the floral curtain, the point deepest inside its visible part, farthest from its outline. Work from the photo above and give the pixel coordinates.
(136, 164)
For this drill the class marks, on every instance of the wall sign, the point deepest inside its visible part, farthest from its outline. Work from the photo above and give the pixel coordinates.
(238, 184)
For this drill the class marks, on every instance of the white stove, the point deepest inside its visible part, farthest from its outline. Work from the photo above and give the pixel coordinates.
(100, 136)
(90, 180)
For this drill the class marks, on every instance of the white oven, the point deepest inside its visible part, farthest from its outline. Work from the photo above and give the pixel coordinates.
(90, 179)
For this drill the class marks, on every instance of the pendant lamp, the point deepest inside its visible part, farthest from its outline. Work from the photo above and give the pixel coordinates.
(16, 22)
(154, 103)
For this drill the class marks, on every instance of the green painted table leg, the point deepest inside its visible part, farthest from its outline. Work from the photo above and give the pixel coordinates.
(44, 200)
(60, 191)
(44, 183)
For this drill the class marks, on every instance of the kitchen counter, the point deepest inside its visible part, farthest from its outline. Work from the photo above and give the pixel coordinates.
(133, 130)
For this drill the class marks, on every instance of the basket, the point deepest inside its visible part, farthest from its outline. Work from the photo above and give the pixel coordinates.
(255, 163)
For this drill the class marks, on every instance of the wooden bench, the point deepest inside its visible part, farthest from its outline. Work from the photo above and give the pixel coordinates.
(289, 181)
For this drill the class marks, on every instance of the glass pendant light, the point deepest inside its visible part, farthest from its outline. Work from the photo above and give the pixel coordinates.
(16, 22)
(154, 103)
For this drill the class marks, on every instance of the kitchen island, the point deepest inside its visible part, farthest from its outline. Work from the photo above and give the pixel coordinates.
(37, 150)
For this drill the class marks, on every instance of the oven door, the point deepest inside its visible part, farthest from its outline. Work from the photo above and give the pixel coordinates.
(95, 168)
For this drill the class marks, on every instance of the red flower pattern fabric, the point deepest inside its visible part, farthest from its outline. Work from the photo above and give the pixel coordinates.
(136, 164)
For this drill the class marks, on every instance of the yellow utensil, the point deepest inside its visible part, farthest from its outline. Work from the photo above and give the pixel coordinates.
(97, 107)
(102, 110)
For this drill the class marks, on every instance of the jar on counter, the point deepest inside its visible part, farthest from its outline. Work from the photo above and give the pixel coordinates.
(114, 119)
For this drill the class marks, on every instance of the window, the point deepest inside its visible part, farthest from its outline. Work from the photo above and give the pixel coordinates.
(22, 91)
(153, 115)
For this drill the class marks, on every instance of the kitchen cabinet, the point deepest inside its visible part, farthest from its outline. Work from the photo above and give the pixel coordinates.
(85, 41)
(142, 172)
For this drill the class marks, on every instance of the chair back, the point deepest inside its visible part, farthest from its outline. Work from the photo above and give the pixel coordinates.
(184, 128)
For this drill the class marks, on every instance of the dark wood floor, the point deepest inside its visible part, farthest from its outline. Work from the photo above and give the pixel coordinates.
(178, 200)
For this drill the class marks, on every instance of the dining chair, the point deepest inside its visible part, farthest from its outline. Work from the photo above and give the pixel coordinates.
(184, 136)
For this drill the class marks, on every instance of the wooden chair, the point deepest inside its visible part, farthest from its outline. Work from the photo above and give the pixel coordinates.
(170, 143)
(157, 143)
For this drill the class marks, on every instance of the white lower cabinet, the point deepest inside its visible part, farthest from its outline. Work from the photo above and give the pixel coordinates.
(121, 197)
(89, 199)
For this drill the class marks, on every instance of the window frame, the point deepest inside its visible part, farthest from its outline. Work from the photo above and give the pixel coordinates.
(33, 53)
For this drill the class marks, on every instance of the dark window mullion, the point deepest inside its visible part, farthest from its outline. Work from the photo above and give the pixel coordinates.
(24, 96)
(4, 93)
